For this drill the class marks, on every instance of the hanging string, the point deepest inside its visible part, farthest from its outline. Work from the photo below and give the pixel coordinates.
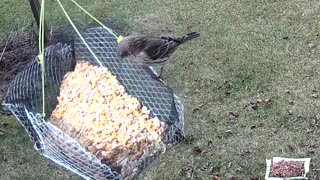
(119, 38)
(79, 34)
(41, 58)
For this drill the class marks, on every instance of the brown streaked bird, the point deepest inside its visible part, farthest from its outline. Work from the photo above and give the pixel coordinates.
(151, 50)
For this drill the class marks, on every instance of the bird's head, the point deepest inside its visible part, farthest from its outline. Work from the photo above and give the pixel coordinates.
(122, 51)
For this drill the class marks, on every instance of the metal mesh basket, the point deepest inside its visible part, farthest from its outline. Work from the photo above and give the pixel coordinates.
(24, 101)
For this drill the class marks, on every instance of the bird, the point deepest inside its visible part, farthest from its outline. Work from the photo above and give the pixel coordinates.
(151, 50)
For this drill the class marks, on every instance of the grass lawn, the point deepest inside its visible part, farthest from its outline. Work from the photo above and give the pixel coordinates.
(248, 50)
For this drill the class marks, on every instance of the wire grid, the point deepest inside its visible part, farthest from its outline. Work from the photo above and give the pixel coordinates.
(24, 101)
(139, 81)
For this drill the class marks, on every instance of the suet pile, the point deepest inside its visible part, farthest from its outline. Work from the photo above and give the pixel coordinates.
(95, 110)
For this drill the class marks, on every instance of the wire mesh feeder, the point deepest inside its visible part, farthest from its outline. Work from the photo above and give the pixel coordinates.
(24, 101)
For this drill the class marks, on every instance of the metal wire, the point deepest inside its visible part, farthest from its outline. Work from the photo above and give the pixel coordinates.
(24, 100)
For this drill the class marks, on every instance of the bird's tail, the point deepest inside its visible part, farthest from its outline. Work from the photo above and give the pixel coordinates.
(187, 37)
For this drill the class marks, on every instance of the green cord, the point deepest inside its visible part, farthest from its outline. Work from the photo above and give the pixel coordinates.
(41, 57)
(75, 28)
(119, 39)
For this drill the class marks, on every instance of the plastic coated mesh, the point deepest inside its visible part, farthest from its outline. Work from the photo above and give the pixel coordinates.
(138, 81)
(24, 101)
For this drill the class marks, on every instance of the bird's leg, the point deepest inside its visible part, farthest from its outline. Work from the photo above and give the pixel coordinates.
(159, 77)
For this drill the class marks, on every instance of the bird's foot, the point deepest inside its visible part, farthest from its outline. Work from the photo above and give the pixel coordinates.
(159, 78)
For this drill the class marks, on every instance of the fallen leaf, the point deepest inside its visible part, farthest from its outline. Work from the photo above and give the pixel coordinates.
(252, 177)
(188, 172)
(203, 153)
(195, 110)
(309, 130)
(259, 101)
(216, 178)
(267, 101)
(311, 45)
(200, 151)
(228, 131)
(232, 115)
(239, 169)
(207, 168)
(162, 165)
(315, 122)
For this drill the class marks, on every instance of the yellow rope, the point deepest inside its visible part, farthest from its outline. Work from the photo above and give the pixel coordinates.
(75, 28)
(119, 39)
(41, 57)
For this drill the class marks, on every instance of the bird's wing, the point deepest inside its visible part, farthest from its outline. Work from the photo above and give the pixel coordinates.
(160, 48)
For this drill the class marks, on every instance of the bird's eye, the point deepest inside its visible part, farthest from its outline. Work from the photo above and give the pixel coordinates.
(123, 54)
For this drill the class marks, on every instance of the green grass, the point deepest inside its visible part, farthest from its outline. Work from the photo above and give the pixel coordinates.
(261, 47)
(18, 158)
